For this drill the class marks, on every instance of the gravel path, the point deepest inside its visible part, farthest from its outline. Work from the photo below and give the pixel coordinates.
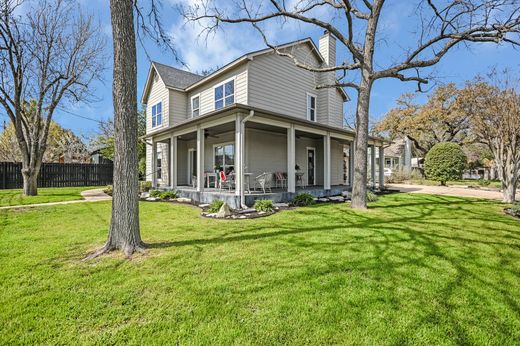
(457, 191)
(88, 196)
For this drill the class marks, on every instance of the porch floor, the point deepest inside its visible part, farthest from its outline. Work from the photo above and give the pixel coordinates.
(277, 195)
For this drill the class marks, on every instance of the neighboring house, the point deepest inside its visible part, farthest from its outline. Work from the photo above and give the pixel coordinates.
(398, 156)
(260, 113)
(97, 157)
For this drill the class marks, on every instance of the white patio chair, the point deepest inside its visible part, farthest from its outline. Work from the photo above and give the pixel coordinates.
(265, 181)
(194, 181)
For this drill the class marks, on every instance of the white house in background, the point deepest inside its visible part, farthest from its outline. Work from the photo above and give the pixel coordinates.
(258, 114)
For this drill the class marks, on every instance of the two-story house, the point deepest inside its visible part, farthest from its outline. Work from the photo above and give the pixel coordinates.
(258, 114)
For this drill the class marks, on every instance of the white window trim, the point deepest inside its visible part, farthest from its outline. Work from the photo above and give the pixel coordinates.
(234, 79)
(307, 164)
(162, 115)
(223, 145)
(315, 107)
(191, 103)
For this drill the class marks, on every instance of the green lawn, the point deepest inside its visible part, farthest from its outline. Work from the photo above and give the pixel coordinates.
(496, 184)
(45, 195)
(414, 269)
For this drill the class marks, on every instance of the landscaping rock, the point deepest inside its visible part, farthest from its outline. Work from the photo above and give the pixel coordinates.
(337, 198)
(345, 194)
(183, 200)
(281, 205)
(323, 200)
(152, 199)
(145, 194)
(203, 205)
(247, 211)
(224, 211)
(242, 217)
(261, 212)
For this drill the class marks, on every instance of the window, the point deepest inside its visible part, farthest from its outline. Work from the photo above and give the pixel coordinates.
(195, 106)
(311, 107)
(157, 115)
(159, 169)
(225, 94)
(224, 157)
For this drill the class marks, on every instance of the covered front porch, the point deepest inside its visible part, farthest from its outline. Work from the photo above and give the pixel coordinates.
(297, 155)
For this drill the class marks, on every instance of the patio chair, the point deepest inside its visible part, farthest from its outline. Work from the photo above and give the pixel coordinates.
(226, 181)
(280, 178)
(194, 181)
(265, 181)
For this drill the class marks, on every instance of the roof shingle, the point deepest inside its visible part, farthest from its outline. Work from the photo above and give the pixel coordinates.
(174, 77)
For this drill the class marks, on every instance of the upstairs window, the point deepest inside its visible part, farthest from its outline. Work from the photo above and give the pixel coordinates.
(157, 115)
(195, 106)
(225, 94)
(311, 107)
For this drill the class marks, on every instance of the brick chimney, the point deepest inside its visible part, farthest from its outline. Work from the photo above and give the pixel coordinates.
(327, 48)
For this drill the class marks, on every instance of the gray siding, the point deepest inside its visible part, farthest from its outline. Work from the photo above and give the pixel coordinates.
(207, 95)
(158, 93)
(178, 103)
(276, 84)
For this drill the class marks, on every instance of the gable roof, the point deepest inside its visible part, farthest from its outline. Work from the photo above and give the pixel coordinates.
(174, 77)
(181, 80)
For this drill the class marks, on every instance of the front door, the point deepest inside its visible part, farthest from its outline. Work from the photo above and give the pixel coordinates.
(192, 165)
(311, 166)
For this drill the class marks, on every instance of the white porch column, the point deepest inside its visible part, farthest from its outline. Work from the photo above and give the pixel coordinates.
(373, 165)
(173, 162)
(326, 161)
(200, 159)
(291, 160)
(154, 163)
(381, 167)
(351, 151)
(239, 155)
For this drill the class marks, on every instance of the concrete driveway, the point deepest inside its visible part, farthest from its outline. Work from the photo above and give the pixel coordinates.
(457, 191)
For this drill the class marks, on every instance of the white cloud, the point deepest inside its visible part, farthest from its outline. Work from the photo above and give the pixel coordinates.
(202, 51)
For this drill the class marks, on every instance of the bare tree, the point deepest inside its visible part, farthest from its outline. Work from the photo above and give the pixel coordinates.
(494, 109)
(50, 55)
(355, 24)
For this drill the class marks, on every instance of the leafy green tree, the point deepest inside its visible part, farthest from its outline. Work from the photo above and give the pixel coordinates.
(445, 161)
(105, 140)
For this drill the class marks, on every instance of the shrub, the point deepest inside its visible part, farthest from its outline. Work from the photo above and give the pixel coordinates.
(145, 186)
(265, 205)
(155, 193)
(445, 161)
(371, 197)
(108, 190)
(215, 206)
(516, 209)
(482, 182)
(398, 177)
(168, 195)
(303, 199)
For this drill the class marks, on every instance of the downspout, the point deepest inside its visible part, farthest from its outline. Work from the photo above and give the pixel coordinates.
(242, 145)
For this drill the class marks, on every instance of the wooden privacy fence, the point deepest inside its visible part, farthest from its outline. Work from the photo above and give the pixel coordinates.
(58, 175)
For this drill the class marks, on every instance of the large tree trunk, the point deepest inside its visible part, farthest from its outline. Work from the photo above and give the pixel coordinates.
(509, 181)
(30, 181)
(124, 231)
(359, 186)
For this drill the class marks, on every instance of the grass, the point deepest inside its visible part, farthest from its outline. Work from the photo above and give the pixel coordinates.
(413, 269)
(45, 195)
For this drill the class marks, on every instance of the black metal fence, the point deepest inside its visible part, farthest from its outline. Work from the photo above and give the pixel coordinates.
(58, 175)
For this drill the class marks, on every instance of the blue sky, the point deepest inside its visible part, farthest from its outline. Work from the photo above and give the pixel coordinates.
(398, 21)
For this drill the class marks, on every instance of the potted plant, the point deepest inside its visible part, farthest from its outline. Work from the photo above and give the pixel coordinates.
(218, 168)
